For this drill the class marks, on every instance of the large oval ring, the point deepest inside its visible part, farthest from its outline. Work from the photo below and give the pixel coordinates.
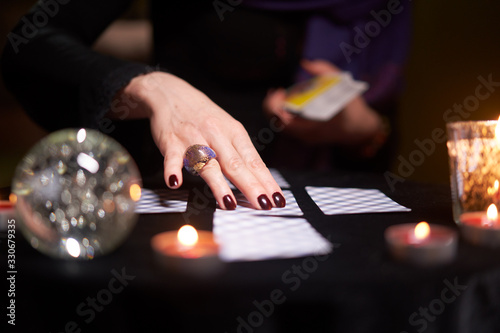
(196, 157)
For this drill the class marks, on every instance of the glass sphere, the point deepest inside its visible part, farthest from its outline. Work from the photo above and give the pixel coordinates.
(76, 194)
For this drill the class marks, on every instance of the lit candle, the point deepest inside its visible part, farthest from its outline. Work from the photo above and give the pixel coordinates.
(481, 228)
(188, 251)
(422, 243)
(474, 152)
(7, 211)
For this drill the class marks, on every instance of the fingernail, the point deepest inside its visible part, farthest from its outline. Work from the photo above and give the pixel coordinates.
(264, 202)
(228, 202)
(279, 200)
(173, 181)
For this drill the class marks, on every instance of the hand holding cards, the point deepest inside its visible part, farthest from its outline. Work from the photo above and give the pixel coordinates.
(322, 97)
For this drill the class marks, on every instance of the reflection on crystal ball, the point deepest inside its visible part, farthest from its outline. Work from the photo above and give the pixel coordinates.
(76, 194)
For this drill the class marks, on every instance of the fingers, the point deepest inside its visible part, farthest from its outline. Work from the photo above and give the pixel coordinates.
(274, 104)
(174, 150)
(212, 175)
(243, 167)
(275, 100)
(173, 157)
(319, 67)
(242, 164)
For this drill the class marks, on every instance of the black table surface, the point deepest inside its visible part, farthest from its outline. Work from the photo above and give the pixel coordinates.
(357, 288)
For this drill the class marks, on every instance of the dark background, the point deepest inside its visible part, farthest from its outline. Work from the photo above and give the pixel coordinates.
(454, 42)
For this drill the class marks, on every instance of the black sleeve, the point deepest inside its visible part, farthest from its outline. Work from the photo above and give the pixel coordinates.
(49, 65)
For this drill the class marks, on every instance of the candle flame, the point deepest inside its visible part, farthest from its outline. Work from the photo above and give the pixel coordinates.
(493, 190)
(187, 235)
(492, 212)
(13, 198)
(135, 192)
(422, 230)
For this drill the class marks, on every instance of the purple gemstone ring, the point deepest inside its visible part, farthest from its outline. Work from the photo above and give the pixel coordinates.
(196, 157)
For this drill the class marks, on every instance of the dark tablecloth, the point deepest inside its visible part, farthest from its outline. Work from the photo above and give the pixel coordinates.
(357, 288)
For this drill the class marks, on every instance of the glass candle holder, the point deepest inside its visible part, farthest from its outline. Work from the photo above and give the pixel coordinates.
(474, 156)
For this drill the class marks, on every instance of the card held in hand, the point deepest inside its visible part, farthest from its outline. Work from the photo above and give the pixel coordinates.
(322, 97)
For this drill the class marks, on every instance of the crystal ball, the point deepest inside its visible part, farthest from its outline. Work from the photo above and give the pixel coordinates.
(76, 194)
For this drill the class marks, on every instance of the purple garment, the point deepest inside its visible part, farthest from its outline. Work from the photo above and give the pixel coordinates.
(368, 38)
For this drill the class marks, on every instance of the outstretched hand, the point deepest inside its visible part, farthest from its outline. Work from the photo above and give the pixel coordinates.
(181, 116)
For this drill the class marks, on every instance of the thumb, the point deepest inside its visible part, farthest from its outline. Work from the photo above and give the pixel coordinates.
(274, 105)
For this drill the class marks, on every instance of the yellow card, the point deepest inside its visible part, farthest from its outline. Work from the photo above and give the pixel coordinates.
(322, 97)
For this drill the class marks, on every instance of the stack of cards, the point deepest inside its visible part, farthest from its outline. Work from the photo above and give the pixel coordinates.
(322, 97)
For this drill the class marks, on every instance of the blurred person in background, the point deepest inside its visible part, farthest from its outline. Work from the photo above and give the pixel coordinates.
(217, 77)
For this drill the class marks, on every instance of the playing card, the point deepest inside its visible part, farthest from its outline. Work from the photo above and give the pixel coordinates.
(322, 97)
(246, 237)
(336, 201)
(162, 201)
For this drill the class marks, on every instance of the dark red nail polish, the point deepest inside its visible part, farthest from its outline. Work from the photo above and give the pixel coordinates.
(228, 202)
(279, 199)
(173, 181)
(264, 202)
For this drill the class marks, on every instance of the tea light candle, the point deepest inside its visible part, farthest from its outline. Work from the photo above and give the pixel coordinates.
(188, 251)
(421, 243)
(7, 211)
(481, 228)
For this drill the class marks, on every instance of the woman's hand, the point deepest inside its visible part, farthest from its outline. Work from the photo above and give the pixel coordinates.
(181, 116)
(356, 124)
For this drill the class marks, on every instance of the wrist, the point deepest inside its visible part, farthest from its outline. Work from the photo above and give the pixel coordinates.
(144, 91)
